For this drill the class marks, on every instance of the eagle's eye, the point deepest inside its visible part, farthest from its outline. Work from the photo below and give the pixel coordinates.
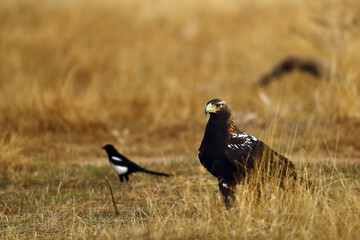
(218, 105)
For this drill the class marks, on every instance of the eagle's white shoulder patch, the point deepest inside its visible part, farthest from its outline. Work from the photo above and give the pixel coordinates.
(239, 135)
(246, 145)
(243, 135)
(234, 146)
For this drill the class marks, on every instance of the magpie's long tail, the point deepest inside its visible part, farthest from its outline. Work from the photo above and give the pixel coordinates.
(155, 173)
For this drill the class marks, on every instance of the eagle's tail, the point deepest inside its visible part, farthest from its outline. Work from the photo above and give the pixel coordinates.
(308, 184)
(155, 173)
(289, 166)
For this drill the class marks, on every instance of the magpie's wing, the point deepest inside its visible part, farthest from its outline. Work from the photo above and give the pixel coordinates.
(116, 160)
(121, 160)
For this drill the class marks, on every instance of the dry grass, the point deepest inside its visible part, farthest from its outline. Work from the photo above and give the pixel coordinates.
(72, 201)
(75, 75)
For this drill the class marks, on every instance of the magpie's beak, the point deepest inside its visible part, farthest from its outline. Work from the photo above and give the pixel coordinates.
(210, 108)
(103, 147)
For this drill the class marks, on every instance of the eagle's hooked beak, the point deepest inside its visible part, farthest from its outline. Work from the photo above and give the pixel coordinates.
(210, 108)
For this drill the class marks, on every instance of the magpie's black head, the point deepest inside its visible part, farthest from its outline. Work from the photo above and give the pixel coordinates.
(110, 149)
(218, 107)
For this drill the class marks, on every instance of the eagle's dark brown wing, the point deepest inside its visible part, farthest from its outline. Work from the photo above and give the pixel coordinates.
(247, 152)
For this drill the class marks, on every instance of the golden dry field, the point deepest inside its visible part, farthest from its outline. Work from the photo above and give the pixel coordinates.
(76, 75)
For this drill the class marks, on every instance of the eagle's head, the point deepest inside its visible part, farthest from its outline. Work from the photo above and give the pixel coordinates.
(218, 107)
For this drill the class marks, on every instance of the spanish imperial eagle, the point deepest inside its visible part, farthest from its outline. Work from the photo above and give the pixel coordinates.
(232, 156)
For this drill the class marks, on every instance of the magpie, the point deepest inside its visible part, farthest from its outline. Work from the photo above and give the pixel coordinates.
(123, 166)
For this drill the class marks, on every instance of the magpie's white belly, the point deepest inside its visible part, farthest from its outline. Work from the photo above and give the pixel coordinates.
(119, 169)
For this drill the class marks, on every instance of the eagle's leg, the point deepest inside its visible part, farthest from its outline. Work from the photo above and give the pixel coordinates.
(228, 193)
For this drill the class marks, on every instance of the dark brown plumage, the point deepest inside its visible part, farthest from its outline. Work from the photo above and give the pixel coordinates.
(232, 156)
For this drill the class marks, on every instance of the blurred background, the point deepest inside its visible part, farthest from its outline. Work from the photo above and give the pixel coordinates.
(75, 75)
